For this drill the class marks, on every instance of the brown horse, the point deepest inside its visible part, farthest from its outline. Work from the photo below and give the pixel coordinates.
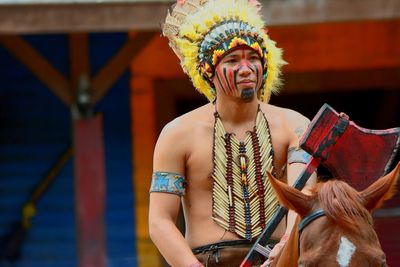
(336, 224)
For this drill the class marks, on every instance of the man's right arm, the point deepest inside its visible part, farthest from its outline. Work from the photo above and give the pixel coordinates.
(169, 159)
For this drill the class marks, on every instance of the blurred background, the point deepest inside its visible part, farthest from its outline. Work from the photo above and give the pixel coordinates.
(86, 86)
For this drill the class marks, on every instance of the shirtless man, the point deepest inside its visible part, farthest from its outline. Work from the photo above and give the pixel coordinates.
(213, 160)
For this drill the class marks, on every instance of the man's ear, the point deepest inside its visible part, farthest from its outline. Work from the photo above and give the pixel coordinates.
(290, 197)
(381, 190)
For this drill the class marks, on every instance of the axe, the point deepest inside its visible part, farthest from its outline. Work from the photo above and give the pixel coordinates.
(355, 154)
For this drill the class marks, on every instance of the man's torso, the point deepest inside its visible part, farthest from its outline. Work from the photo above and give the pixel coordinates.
(197, 203)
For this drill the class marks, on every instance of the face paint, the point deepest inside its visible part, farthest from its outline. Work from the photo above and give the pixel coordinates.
(228, 76)
(259, 76)
(239, 74)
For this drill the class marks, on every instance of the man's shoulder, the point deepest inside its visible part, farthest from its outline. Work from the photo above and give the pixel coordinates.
(288, 115)
(189, 121)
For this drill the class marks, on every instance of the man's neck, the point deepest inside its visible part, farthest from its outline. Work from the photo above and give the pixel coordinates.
(235, 111)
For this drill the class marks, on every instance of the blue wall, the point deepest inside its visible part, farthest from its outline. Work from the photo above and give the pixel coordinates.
(35, 128)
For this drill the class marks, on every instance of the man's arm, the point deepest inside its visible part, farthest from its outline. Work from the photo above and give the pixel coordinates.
(296, 160)
(169, 159)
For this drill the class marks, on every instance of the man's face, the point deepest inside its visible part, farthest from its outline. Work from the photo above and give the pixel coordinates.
(239, 74)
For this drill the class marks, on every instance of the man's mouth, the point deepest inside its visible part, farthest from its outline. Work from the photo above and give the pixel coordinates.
(247, 82)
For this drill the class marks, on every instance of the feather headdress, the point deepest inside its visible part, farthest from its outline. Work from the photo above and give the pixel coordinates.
(201, 32)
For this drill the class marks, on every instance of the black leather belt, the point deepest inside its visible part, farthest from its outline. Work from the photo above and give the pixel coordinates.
(227, 244)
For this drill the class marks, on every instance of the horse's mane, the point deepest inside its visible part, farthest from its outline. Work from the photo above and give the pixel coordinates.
(342, 203)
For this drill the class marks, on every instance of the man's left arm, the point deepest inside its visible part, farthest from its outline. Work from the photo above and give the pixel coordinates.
(297, 159)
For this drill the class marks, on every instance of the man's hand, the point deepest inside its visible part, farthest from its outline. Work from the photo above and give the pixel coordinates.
(275, 251)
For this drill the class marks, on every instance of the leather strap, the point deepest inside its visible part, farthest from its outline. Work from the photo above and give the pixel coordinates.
(309, 218)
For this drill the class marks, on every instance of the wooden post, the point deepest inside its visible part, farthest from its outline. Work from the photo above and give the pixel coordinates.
(144, 137)
(90, 191)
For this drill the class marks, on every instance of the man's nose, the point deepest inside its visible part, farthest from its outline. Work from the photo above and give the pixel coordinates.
(245, 68)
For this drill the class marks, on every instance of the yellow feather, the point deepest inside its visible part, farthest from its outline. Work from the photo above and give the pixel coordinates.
(197, 17)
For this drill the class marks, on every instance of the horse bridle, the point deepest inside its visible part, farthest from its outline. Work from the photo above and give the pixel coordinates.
(307, 220)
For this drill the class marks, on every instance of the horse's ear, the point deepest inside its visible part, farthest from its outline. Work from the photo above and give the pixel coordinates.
(381, 190)
(290, 197)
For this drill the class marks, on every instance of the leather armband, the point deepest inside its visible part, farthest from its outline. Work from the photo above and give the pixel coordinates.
(297, 155)
(167, 182)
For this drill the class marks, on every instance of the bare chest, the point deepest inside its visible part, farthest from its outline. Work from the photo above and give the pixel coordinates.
(199, 162)
(200, 159)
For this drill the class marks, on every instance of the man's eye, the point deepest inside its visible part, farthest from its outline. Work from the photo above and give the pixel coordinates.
(231, 60)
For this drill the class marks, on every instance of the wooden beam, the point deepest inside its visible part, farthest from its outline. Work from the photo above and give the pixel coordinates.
(314, 48)
(291, 12)
(109, 15)
(157, 60)
(330, 81)
(79, 58)
(340, 46)
(39, 66)
(82, 17)
(143, 113)
(90, 188)
(110, 73)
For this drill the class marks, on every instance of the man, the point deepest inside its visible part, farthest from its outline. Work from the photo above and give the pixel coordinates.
(214, 159)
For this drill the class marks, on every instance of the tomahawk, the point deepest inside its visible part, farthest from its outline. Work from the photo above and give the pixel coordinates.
(355, 154)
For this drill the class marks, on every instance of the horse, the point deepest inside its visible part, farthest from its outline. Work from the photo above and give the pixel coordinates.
(334, 225)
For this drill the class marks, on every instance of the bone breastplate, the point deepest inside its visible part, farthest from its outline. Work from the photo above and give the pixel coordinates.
(243, 199)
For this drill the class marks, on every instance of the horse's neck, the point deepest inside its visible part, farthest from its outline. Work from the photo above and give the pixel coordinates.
(288, 257)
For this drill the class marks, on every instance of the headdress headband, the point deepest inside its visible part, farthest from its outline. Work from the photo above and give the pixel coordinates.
(201, 32)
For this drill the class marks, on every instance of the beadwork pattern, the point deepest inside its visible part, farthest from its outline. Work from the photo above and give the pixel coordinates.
(200, 32)
(243, 199)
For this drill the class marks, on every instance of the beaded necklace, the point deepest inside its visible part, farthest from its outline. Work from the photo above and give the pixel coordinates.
(243, 199)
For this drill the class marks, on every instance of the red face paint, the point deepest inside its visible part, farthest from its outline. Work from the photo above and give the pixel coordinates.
(259, 74)
(239, 73)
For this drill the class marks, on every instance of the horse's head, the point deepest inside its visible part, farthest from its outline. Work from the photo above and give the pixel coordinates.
(344, 235)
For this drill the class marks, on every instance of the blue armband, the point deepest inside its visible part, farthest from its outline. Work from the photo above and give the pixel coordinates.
(167, 182)
(297, 155)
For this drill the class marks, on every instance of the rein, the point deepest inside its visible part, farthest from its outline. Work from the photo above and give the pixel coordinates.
(307, 220)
